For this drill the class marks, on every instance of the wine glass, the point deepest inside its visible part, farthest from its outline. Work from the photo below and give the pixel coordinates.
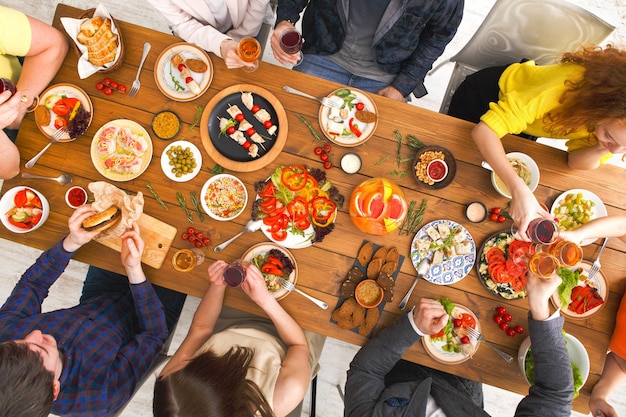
(541, 231)
(543, 264)
(235, 273)
(568, 253)
(184, 260)
(249, 50)
(291, 42)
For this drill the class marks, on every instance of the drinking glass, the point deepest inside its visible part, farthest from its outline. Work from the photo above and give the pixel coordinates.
(235, 274)
(543, 264)
(249, 50)
(291, 42)
(184, 260)
(540, 231)
(6, 84)
(568, 253)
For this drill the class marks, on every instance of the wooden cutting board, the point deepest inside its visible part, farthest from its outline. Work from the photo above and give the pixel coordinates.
(158, 237)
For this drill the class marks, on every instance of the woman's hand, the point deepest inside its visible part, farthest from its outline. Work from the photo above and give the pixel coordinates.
(78, 236)
(280, 55)
(430, 317)
(228, 48)
(216, 273)
(11, 110)
(254, 286)
(525, 208)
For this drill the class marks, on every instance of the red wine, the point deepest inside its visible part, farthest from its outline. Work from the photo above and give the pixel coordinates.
(291, 42)
(6, 84)
(543, 231)
(234, 274)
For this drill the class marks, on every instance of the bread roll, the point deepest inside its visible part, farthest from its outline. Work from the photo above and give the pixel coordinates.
(102, 44)
(90, 26)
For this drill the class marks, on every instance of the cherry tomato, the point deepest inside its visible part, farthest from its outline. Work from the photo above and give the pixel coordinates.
(184, 236)
(465, 340)
(255, 108)
(121, 88)
(324, 157)
(60, 123)
(99, 86)
(181, 67)
(501, 310)
(318, 150)
(206, 241)
(267, 124)
(328, 165)
(198, 244)
(246, 145)
(239, 117)
(359, 106)
(457, 322)
(507, 317)
(501, 219)
(493, 217)
(326, 148)
(188, 79)
(504, 325)
(250, 131)
(498, 319)
(496, 210)
(199, 235)
(231, 130)
(106, 81)
(191, 230)
(519, 329)
(510, 332)
(191, 238)
(113, 85)
(107, 90)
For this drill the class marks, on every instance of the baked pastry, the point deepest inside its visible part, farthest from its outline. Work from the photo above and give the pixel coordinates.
(392, 255)
(380, 253)
(389, 267)
(371, 318)
(102, 44)
(374, 268)
(365, 253)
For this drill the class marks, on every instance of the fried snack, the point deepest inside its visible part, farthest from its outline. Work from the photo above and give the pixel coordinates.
(346, 309)
(42, 116)
(380, 253)
(365, 116)
(345, 323)
(358, 317)
(347, 288)
(420, 167)
(365, 253)
(389, 267)
(371, 318)
(374, 268)
(392, 255)
(196, 65)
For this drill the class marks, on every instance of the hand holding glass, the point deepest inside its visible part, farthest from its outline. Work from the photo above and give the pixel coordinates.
(540, 231)
(235, 273)
(291, 42)
(249, 50)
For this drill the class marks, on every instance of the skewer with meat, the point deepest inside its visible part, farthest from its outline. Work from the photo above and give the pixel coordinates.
(260, 114)
(235, 113)
(228, 126)
(178, 61)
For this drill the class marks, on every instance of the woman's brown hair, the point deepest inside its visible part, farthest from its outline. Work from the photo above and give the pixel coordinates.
(211, 385)
(599, 95)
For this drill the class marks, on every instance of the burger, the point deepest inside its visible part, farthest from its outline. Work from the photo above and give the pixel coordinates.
(99, 222)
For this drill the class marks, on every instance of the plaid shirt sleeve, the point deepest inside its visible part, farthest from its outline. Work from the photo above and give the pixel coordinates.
(32, 288)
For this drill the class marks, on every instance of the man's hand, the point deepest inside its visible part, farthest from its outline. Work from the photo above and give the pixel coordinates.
(78, 236)
(280, 55)
(216, 273)
(392, 93)
(539, 292)
(132, 249)
(255, 287)
(430, 316)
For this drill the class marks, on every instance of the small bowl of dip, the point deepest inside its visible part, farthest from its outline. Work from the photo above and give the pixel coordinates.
(166, 124)
(351, 163)
(75, 197)
(476, 212)
(437, 170)
(368, 293)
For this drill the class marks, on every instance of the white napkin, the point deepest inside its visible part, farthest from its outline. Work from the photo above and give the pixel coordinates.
(106, 195)
(72, 27)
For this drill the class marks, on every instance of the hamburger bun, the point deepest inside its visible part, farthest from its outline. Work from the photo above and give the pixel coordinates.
(101, 221)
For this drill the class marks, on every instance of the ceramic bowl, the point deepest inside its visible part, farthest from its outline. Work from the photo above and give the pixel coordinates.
(531, 166)
(368, 293)
(8, 202)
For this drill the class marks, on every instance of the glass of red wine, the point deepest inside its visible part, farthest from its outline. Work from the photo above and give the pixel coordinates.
(6, 84)
(291, 42)
(235, 274)
(540, 231)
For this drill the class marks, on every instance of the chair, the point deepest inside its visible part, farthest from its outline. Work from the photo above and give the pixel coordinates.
(539, 30)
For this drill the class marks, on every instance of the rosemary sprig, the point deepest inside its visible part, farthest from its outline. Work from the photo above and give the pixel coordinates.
(196, 204)
(156, 196)
(399, 140)
(177, 86)
(381, 160)
(414, 143)
(413, 218)
(196, 118)
(183, 204)
(401, 174)
(311, 128)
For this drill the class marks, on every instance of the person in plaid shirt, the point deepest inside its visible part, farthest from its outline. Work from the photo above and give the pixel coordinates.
(88, 359)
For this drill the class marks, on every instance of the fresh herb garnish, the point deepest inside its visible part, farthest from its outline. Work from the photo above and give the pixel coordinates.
(399, 173)
(217, 169)
(414, 143)
(156, 196)
(178, 86)
(196, 118)
(413, 218)
(183, 204)
(196, 205)
(311, 128)
(398, 136)
(381, 160)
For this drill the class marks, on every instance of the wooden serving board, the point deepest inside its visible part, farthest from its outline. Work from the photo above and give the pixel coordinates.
(158, 237)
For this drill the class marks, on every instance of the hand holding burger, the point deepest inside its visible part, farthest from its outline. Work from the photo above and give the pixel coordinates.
(99, 222)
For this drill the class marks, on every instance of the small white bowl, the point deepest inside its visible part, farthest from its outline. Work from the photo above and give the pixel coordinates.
(532, 167)
(76, 189)
(577, 354)
(433, 163)
(7, 203)
(214, 208)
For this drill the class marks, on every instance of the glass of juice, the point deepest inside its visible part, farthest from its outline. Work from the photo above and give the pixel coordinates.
(235, 274)
(184, 260)
(249, 50)
(540, 231)
(543, 264)
(291, 42)
(568, 253)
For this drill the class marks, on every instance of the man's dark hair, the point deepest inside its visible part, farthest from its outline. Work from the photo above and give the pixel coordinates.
(25, 385)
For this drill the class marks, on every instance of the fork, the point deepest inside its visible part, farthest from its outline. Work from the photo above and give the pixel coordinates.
(286, 285)
(333, 101)
(136, 84)
(596, 264)
(476, 335)
(54, 138)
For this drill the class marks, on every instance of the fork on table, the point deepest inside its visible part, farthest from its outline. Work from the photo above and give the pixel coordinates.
(596, 264)
(333, 101)
(286, 285)
(54, 138)
(136, 84)
(476, 335)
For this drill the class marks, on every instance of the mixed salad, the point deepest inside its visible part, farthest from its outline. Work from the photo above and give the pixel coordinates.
(453, 337)
(573, 211)
(27, 210)
(273, 264)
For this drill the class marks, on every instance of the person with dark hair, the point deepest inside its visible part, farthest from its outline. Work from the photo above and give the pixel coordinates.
(582, 100)
(381, 383)
(384, 47)
(236, 364)
(88, 359)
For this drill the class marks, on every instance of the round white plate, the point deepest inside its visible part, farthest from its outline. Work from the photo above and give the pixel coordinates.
(367, 129)
(435, 348)
(451, 270)
(167, 168)
(599, 210)
(65, 90)
(168, 78)
(265, 247)
(7, 203)
(203, 197)
(599, 281)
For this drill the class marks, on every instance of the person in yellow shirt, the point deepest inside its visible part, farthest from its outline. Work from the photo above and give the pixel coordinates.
(43, 49)
(581, 99)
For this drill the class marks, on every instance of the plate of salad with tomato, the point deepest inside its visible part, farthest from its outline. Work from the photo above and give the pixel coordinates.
(342, 125)
(298, 206)
(578, 296)
(452, 345)
(64, 106)
(23, 209)
(273, 261)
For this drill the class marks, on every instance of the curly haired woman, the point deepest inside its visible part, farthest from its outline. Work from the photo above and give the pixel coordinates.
(582, 100)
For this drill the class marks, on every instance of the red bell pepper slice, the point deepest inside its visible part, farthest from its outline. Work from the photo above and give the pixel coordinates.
(354, 128)
(270, 268)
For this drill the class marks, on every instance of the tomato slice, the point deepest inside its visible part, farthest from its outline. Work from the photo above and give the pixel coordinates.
(302, 223)
(20, 199)
(268, 206)
(467, 320)
(21, 225)
(279, 235)
(437, 335)
(270, 268)
(274, 260)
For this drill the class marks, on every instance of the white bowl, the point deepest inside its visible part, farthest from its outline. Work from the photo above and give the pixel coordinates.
(532, 166)
(577, 354)
(78, 190)
(212, 210)
(7, 203)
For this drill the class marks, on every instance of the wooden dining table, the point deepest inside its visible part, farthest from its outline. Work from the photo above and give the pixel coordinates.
(322, 266)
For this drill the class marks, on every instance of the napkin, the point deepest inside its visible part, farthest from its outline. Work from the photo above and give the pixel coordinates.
(107, 195)
(72, 27)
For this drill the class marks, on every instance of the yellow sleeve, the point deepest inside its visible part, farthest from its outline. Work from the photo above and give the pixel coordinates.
(15, 40)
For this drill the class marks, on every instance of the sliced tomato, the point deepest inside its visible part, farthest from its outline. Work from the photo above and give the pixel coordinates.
(62, 108)
(518, 248)
(279, 235)
(274, 260)
(21, 225)
(303, 223)
(270, 268)
(513, 268)
(467, 320)
(437, 335)
(20, 199)
(60, 123)
(268, 205)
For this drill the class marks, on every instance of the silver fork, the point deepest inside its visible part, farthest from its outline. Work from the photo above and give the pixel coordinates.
(54, 138)
(136, 84)
(596, 264)
(476, 335)
(286, 285)
(333, 101)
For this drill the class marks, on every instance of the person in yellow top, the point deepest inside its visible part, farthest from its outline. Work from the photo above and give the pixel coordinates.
(581, 99)
(43, 49)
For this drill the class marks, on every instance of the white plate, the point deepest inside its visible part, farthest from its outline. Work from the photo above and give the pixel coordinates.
(451, 270)
(263, 248)
(599, 281)
(65, 90)
(168, 78)
(100, 161)
(167, 168)
(435, 348)
(204, 197)
(599, 210)
(367, 129)
(532, 166)
(7, 203)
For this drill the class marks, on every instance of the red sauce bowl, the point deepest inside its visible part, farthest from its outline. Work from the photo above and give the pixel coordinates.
(437, 170)
(75, 197)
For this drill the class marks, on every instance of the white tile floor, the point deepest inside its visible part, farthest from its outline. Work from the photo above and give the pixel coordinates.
(336, 355)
